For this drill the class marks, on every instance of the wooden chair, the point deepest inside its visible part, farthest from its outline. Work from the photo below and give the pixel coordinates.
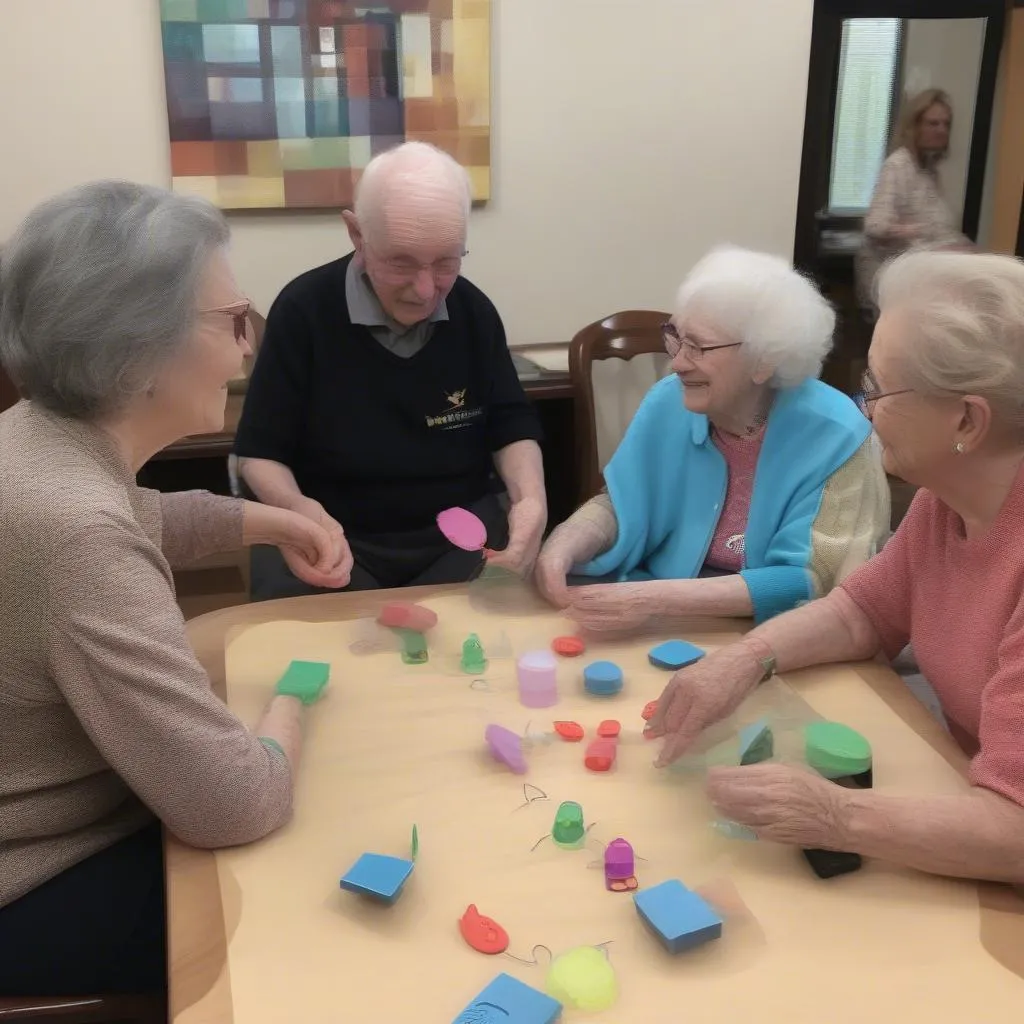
(622, 336)
(8, 392)
(84, 1009)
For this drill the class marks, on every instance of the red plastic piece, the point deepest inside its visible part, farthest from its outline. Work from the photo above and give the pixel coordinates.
(406, 615)
(482, 933)
(609, 729)
(600, 755)
(648, 712)
(568, 646)
(571, 731)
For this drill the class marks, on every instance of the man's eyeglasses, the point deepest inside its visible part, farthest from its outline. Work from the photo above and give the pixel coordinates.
(239, 314)
(870, 393)
(406, 269)
(675, 342)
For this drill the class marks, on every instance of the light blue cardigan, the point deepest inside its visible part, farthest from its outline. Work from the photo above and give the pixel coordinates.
(667, 483)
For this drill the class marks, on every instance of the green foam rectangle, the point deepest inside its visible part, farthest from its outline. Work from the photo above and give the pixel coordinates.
(307, 673)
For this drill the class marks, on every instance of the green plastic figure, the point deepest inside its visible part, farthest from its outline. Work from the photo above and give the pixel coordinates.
(414, 647)
(568, 830)
(473, 661)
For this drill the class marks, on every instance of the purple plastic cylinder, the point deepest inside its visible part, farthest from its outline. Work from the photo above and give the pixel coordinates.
(618, 861)
(538, 679)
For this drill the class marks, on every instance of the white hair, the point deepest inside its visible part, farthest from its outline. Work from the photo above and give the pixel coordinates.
(412, 170)
(780, 317)
(967, 312)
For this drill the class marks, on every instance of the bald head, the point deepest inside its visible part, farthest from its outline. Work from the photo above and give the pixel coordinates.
(410, 190)
(409, 227)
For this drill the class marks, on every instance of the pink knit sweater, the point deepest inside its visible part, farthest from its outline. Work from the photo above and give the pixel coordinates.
(741, 453)
(960, 602)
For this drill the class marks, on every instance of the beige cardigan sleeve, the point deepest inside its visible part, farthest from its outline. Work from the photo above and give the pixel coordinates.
(118, 652)
(196, 524)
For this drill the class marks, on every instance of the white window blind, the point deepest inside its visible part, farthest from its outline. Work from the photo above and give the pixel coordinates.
(868, 65)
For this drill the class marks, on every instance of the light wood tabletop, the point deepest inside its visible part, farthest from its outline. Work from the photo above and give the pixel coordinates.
(264, 933)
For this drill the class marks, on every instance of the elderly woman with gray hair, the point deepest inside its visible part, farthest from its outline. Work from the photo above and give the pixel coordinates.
(744, 485)
(943, 389)
(121, 324)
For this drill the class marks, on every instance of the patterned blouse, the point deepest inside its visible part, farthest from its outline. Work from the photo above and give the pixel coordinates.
(906, 195)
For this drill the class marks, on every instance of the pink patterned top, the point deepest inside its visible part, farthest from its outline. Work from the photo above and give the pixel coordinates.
(741, 454)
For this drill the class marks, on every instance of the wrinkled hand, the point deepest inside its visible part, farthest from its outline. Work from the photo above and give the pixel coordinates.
(782, 803)
(701, 695)
(551, 574)
(611, 607)
(314, 546)
(526, 521)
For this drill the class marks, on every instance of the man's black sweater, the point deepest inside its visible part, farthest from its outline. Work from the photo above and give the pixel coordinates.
(384, 443)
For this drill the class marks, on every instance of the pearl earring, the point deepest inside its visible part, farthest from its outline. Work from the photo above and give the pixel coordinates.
(959, 447)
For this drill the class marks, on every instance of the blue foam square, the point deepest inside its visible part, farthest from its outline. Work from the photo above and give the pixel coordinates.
(674, 654)
(378, 876)
(679, 918)
(508, 1000)
(757, 743)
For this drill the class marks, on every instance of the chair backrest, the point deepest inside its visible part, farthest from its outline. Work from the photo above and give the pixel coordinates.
(8, 392)
(613, 363)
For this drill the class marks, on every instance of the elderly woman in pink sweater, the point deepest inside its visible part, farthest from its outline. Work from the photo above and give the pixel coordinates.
(944, 390)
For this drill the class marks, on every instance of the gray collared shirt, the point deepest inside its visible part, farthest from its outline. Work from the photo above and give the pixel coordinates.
(364, 308)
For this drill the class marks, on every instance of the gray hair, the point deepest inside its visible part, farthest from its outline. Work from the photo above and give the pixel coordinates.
(98, 288)
(967, 310)
(417, 169)
(781, 318)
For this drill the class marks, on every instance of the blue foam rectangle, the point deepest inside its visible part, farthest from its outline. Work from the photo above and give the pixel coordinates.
(378, 876)
(674, 654)
(508, 1000)
(679, 918)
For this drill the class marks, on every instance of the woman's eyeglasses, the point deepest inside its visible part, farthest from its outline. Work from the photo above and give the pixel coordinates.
(239, 315)
(870, 393)
(675, 343)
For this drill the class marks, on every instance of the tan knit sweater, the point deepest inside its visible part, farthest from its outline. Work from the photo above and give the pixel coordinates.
(106, 716)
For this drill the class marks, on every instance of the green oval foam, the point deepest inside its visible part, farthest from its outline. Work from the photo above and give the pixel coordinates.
(835, 750)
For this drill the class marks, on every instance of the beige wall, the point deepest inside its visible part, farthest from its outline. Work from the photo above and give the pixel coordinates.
(946, 54)
(627, 139)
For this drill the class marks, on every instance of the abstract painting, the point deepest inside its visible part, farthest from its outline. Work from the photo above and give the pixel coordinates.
(282, 103)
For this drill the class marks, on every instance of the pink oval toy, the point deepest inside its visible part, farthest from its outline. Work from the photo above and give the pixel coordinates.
(462, 528)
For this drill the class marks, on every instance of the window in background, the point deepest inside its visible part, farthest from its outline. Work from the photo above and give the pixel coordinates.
(869, 66)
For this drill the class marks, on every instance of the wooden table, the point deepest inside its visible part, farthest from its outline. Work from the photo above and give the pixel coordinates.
(263, 933)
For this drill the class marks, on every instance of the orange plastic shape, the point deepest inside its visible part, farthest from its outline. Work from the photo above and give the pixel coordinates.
(648, 712)
(609, 729)
(571, 731)
(483, 934)
(600, 755)
(568, 646)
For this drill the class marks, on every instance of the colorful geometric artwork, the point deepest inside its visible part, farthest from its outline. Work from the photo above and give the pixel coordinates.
(282, 103)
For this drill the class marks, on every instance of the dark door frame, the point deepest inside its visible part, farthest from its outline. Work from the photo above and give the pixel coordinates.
(822, 79)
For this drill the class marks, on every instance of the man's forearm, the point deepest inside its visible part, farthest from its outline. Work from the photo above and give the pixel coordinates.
(521, 469)
(272, 482)
(976, 836)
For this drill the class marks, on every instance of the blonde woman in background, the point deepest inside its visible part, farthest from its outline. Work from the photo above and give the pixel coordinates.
(908, 208)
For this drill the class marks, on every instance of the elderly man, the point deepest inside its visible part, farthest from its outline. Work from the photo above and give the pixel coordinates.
(384, 392)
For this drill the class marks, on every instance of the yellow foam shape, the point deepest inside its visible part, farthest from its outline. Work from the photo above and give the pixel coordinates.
(583, 979)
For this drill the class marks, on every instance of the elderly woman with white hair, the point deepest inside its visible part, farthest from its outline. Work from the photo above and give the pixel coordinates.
(943, 389)
(121, 323)
(743, 485)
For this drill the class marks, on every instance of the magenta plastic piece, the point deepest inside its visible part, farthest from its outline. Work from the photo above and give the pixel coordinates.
(506, 747)
(537, 672)
(462, 528)
(618, 861)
